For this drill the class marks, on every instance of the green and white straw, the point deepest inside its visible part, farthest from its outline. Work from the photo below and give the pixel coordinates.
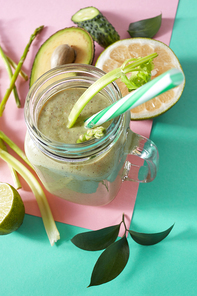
(148, 91)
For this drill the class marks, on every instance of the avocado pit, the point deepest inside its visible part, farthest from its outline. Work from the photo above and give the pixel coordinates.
(63, 54)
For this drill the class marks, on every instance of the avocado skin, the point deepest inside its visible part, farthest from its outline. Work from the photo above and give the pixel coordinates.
(100, 29)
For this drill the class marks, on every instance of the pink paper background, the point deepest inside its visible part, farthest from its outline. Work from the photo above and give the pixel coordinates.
(18, 20)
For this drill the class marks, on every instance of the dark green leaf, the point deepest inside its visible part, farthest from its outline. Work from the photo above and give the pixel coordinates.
(145, 28)
(96, 240)
(110, 263)
(148, 239)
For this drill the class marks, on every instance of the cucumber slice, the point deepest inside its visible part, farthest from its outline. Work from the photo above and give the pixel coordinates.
(93, 21)
(80, 40)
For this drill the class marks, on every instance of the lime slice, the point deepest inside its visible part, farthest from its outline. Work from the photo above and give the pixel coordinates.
(114, 55)
(12, 210)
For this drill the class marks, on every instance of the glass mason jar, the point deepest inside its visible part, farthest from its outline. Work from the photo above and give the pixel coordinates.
(89, 173)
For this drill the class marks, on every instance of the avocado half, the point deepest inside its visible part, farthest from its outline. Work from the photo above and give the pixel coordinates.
(80, 40)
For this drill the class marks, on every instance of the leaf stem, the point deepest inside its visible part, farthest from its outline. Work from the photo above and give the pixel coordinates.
(123, 221)
(101, 83)
(45, 210)
(18, 69)
(9, 70)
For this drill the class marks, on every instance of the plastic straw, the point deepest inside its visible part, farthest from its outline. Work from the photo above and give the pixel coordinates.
(148, 91)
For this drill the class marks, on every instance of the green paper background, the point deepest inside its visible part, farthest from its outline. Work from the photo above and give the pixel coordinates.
(29, 266)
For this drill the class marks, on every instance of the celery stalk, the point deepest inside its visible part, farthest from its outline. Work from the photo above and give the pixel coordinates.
(101, 83)
(15, 178)
(37, 190)
(17, 183)
(14, 147)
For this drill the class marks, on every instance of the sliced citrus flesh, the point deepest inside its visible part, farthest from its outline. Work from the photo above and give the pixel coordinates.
(12, 210)
(113, 57)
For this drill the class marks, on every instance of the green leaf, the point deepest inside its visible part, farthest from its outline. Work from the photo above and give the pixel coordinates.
(148, 239)
(111, 262)
(145, 28)
(96, 240)
(140, 76)
(128, 82)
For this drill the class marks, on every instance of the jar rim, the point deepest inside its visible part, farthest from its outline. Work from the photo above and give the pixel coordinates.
(59, 149)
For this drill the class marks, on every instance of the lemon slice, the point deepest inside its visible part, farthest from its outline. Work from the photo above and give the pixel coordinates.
(12, 209)
(113, 57)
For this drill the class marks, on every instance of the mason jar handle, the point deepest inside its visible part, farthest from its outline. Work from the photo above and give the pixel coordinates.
(144, 167)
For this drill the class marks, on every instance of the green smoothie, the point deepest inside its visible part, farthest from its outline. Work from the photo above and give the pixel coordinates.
(52, 121)
(93, 180)
(89, 173)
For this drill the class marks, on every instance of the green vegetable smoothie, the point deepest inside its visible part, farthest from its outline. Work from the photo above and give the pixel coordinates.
(89, 172)
(53, 117)
(93, 180)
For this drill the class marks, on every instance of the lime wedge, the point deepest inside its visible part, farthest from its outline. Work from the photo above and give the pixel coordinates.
(12, 210)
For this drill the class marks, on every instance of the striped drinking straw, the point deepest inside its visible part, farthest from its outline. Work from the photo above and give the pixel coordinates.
(148, 91)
